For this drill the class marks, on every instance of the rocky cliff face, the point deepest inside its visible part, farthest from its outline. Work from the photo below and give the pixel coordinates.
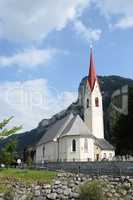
(120, 119)
(108, 85)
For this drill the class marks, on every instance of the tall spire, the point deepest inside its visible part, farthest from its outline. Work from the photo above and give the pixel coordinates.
(92, 77)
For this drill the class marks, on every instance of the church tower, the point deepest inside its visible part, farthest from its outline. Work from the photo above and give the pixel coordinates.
(93, 108)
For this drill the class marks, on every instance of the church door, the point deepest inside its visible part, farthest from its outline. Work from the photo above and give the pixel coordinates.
(97, 156)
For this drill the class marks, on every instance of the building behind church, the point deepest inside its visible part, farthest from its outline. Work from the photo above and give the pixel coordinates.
(72, 138)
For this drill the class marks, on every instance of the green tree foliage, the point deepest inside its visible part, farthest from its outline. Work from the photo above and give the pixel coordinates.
(8, 131)
(8, 155)
(29, 158)
(122, 131)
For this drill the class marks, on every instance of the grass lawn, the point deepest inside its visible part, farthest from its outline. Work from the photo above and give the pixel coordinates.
(28, 176)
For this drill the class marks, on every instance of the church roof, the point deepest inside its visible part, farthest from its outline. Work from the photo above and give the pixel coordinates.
(92, 77)
(76, 127)
(55, 129)
(103, 144)
(69, 125)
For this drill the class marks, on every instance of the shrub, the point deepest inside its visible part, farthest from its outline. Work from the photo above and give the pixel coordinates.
(91, 191)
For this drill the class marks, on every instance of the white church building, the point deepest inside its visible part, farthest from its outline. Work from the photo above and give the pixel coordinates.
(74, 139)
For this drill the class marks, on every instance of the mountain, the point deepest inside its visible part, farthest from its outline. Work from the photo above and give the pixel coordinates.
(108, 85)
(119, 120)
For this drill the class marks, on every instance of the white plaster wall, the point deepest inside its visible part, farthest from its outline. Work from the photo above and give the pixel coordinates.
(70, 154)
(51, 151)
(88, 111)
(63, 149)
(97, 113)
(50, 154)
(66, 153)
(93, 115)
(84, 155)
(38, 157)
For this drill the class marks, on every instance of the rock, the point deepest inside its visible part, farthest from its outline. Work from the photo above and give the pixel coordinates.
(126, 185)
(123, 192)
(57, 182)
(52, 196)
(64, 187)
(59, 191)
(37, 193)
(1, 195)
(37, 187)
(113, 191)
(83, 179)
(23, 197)
(47, 186)
(67, 192)
(47, 191)
(78, 178)
(74, 195)
(62, 197)
(128, 197)
(108, 194)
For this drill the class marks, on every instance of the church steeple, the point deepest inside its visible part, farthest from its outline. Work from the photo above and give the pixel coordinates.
(92, 77)
(93, 110)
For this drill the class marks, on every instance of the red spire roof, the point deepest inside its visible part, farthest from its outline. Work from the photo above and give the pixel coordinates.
(92, 72)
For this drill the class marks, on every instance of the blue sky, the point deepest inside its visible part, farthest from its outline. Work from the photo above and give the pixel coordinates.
(44, 52)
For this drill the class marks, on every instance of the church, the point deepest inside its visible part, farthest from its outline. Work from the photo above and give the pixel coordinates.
(73, 139)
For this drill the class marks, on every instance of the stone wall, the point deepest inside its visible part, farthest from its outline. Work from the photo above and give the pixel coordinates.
(66, 186)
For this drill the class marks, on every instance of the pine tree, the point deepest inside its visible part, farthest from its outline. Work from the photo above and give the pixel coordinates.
(8, 152)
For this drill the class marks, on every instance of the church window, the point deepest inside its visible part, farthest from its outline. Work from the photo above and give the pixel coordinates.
(87, 103)
(104, 155)
(73, 145)
(96, 102)
(43, 151)
(86, 145)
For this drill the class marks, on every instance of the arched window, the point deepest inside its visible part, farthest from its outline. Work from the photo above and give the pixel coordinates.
(87, 103)
(104, 155)
(86, 145)
(96, 102)
(73, 145)
(43, 151)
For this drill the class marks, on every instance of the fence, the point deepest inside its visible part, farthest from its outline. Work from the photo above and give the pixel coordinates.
(96, 168)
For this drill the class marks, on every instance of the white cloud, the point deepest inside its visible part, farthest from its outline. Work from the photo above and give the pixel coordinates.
(32, 20)
(121, 9)
(28, 58)
(124, 23)
(31, 101)
(113, 7)
(87, 33)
